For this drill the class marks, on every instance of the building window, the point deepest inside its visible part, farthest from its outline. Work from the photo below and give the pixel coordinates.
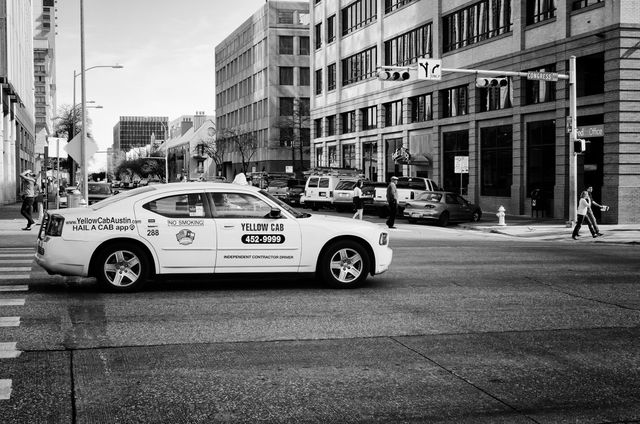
(358, 14)
(318, 81)
(319, 159)
(305, 136)
(286, 75)
(455, 143)
(392, 113)
(391, 5)
(331, 77)
(349, 156)
(590, 75)
(286, 106)
(304, 46)
(331, 125)
(285, 16)
(359, 67)
(303, 106)
(348, 122)
(318, 127)
(331, 29)
(540, 91)
(286, 137)
(540, 10)
(318, 36)
(370, 160)
(369, 118)
(541, 157)
(496, 158)
(332, 156)
(480, 21)
(393, 168)
(305, 79)
(580, 4)
(421, 108)
(285, 44)
(495, 97)
(407, 48)
(454, 101)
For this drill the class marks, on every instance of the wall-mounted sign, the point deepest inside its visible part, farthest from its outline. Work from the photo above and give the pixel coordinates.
(591, 131)
(461, 164)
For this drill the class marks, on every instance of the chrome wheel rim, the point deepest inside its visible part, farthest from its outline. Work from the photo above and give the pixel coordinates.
(122, 268)
(346, 265)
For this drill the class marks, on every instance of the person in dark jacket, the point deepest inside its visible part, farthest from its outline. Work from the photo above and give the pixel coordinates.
(28, 194)
(392, 200)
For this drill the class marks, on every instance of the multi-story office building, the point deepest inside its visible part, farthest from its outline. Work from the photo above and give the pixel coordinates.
(139, 131)
(44, 18)
(514, 134)
(16, 96)
(188, 156)
(262, 90)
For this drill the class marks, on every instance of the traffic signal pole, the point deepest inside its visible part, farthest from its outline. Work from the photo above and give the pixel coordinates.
(430, 69)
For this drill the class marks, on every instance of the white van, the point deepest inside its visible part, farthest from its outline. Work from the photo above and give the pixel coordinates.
(318, 190)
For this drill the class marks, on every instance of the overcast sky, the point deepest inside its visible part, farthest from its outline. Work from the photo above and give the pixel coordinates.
(167, 50)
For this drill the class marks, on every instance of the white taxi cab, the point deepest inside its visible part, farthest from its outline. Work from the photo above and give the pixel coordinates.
(206, 228)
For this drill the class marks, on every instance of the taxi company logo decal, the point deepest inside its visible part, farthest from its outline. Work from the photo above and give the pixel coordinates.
(185, 237)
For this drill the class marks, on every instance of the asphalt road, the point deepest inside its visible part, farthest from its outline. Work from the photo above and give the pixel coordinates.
(465, 327)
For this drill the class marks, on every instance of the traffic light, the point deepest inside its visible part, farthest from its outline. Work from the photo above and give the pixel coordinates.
(580, 145)
(491, 82)
(393, 75)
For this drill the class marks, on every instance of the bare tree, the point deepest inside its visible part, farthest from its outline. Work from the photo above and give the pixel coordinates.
(215, 149)
(294, 130)
(231, 140)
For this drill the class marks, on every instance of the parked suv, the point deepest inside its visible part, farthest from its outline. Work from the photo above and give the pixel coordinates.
(318, 191)
(288, 190)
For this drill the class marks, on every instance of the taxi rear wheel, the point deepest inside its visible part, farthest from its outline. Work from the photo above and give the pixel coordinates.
(122, 268)
(344, 265)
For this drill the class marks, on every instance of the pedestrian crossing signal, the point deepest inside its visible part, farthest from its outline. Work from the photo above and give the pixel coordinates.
(580, 145)
(491, 82)
(391, 75)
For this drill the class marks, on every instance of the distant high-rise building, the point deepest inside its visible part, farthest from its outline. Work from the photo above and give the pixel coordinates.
(262, 89)
(137, 131)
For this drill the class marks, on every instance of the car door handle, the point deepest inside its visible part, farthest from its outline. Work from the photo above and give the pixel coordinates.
(227, 227)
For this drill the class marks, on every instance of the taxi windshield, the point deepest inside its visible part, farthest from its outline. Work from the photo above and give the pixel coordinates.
(285, 206)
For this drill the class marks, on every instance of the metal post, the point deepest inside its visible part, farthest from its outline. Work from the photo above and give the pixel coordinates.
(573, 158)
(58, 173)
(166, 154)
(83, 147)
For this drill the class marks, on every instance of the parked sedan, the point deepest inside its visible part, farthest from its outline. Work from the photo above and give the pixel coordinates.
(442, 207)
(206, 228)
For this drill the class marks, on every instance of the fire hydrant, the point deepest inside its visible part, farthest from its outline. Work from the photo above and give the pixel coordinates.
(500, 216)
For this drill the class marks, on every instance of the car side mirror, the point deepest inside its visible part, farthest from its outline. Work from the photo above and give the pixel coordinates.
(275, 213)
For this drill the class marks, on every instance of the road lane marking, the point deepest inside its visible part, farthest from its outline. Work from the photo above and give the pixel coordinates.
(13, 288)
(5, 389)
(9, 321)
(9, 350)
(11, 302)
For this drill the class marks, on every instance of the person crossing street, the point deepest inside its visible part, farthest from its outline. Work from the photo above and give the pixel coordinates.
(392, 200)
(28, 195)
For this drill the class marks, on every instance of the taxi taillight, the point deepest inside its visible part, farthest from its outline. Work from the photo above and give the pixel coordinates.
(54, 226)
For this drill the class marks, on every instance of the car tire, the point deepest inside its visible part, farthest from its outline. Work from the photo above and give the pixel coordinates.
(476, 215)
(443, 220)
(122, 268)
(344, 265)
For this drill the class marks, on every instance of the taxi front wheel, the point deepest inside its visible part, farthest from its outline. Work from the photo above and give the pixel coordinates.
(344, 265)
(122, 268)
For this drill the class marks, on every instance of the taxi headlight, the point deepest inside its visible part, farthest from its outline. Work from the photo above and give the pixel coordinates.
(384, 239)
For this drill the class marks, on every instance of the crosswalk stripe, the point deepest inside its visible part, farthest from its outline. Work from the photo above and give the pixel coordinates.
(11, 302)
(9, 321)
(16, 255)
(15, 268)
(9, 350)
(15, 287)
(14, 277)
(5, 389)
(15, 261)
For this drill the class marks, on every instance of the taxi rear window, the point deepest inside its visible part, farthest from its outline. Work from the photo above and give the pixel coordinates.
(120, 196)
(178, 206)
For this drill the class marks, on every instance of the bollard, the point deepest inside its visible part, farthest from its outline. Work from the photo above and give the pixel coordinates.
(500, 216)
(73, 199)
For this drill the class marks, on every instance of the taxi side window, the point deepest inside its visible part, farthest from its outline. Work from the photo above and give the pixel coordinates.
(239, 205)
(178, 206)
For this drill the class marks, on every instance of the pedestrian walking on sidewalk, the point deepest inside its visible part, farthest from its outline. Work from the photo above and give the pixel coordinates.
(583, 206)
(590, 216)
(392, 200)
(28, 194)
(357, 200)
